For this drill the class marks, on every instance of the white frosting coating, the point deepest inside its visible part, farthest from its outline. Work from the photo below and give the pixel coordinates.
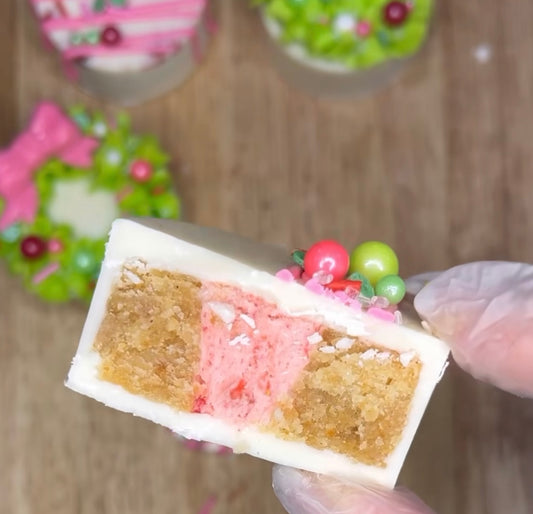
(213, 255)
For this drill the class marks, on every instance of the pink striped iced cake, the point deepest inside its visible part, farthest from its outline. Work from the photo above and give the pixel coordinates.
(195, 329)
(102, 40)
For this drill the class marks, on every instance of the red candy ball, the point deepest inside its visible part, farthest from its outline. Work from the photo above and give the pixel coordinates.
(395, 13)
(110, 36)
(33, 247)
(328, 257)
(141, 171)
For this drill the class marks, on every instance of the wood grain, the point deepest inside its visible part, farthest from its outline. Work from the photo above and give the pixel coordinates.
(438, 164)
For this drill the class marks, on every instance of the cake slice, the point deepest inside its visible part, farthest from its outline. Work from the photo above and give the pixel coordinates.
(199, 331)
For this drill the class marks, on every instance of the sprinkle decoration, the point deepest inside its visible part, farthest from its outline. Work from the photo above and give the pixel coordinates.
(372, 262)
(54, 261)
(32, 247)
(327, 257)
(358, 34)
(110, 36)
(395, 13)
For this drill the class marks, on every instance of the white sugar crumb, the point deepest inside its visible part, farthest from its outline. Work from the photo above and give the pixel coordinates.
(327, 349)
(344, 343)
(248, 320)
(135, 263)
(383, 356)
(369, 354)
(482, 53)
(224, 311)
(132, 277)
(242, 339)
(314, 338)
(255, 332)
(406, 358)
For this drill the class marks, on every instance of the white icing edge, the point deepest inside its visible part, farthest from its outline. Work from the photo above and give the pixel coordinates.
(161, 250)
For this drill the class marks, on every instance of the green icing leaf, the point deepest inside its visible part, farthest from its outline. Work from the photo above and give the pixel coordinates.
(298, 257)
(53, 289)
(98, 5)
(315, 25)
(366, 288)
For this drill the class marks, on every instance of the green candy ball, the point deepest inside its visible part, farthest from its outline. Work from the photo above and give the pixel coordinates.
(374, 260)
(392, 287)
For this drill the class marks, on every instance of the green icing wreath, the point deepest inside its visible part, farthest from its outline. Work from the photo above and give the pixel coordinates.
(77, 259)
(355, 33)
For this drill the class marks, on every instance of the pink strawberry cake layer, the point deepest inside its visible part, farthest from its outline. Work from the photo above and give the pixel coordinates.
(191, 328)
(104, 42)
(250, 357)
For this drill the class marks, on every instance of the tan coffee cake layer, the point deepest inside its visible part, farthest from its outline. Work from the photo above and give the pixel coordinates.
(354, 401)
(149, 339)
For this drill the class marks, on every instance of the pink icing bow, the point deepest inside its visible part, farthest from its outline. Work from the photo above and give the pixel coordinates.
(50, 134)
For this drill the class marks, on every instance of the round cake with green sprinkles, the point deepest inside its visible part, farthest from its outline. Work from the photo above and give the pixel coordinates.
(63, 181)
(347, 35)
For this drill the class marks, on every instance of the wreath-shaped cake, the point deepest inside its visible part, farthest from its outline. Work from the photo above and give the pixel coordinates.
(62, 182)
(357, 34)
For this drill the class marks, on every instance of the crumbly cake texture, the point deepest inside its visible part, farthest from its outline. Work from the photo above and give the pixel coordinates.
(232, 355)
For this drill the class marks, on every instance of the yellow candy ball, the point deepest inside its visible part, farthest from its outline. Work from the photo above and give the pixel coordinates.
(374, 260)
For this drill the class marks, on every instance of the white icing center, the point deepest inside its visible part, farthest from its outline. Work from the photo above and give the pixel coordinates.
(89, 213)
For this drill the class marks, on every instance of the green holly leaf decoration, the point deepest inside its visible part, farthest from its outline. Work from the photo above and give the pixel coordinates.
(366, 288)
(298, 257)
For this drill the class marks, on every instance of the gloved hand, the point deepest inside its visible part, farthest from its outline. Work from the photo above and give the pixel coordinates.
(484, 310)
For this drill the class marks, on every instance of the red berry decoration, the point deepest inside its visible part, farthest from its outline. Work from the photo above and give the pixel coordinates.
(141, 171)
(33, 247)
(327, 257)
(110, 36)
(395, 13)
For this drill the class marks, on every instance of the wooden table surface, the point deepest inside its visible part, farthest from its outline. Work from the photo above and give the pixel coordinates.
(439, 164)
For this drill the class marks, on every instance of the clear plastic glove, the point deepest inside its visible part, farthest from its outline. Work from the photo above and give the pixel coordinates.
(484, 310)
